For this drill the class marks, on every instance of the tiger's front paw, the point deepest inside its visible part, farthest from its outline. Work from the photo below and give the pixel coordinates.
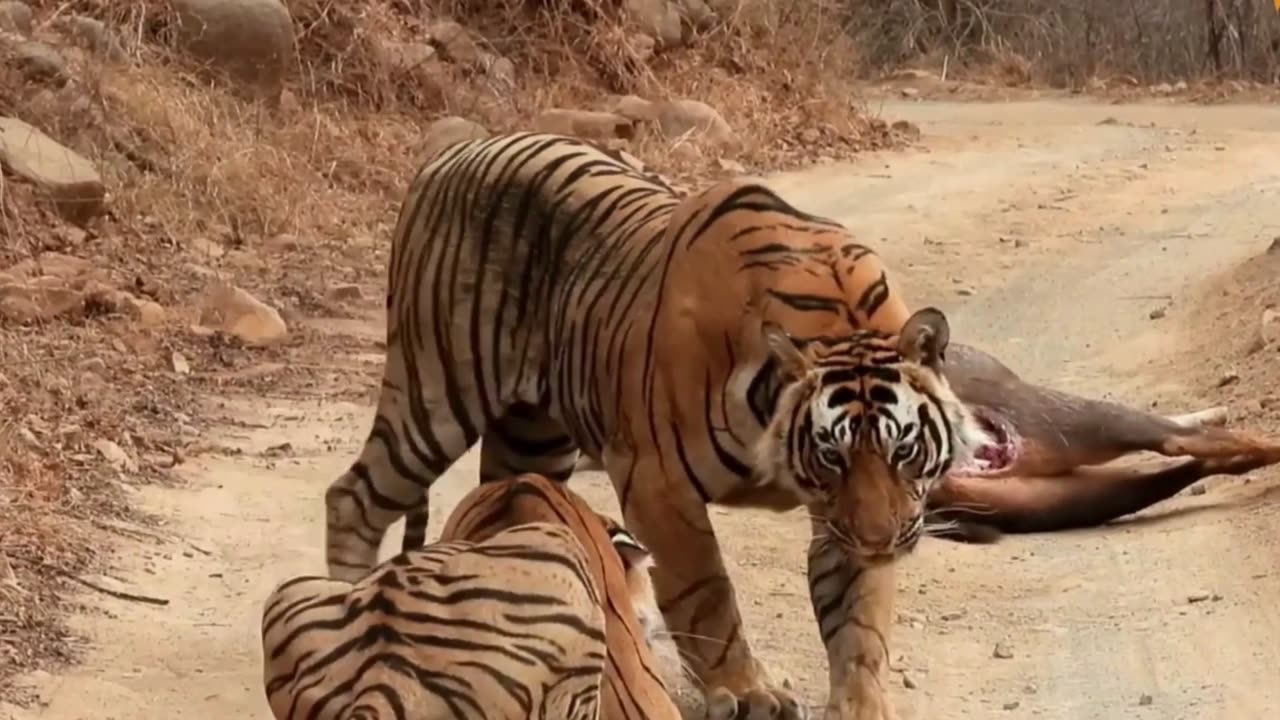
(864, 700)
(758, 703)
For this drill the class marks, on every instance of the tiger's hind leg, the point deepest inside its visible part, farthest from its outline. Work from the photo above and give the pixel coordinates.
(418, 433)
(525, 439)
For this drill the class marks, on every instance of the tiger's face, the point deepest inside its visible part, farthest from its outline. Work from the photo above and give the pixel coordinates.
(864, 426)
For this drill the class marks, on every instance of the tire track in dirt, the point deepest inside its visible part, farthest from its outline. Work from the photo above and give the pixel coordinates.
(1026, 222)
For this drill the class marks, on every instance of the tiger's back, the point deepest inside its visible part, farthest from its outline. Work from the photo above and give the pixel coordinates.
(511, 627)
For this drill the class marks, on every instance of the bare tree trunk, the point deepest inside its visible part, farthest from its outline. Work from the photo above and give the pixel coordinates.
(1214, 50)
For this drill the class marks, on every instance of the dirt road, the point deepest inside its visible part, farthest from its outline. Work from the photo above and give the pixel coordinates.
(1050, 237)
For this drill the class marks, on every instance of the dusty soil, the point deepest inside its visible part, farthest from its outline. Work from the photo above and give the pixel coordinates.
(1052, 236)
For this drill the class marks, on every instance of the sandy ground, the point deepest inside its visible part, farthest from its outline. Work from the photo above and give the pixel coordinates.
(1050, 234)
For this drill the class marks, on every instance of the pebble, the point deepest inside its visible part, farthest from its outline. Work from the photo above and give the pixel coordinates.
(1196, 490)
(1012, 705)
(952, 615)
(1145, 699)
(909, 682)
(1157, 313)
(1002, 651)
(1198, 597)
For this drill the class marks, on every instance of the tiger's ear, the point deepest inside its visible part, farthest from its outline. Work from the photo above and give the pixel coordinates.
(634, 553)
(924, 338)
(792, 363)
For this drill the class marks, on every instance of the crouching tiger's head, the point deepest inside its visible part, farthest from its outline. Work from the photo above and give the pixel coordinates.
(863, 426)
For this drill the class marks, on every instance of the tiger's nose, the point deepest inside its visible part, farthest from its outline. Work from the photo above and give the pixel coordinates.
(878, 534)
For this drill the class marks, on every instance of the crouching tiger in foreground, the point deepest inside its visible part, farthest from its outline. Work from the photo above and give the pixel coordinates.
(524, 610)
(546, 297)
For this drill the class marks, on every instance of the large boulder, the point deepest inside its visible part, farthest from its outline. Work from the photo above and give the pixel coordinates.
(236, 312)
(585, 124)
(15, 17)
(679, 118)
(64, 177)
(250, 40)
(449, 130)
(659, 19)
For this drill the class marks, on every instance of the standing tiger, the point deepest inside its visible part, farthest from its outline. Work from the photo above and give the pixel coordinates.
(546, 298)
(531, 607)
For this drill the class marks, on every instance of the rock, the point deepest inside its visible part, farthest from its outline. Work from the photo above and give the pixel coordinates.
(249, 40)
(454, 43)
(341, 293)
(40, 299)
(909, 92)
(908, 682)
(585, 124)
(1002, 651)
(1180, 86)
(500, 70)
(732, 166)
(1162, 89)
(1196, 490)
(1197, 597)
(698, 14)
(15, 17)
(636, 109)
(1157, 313)
(68, 180)
(1012, 705)
(148, 313)
(40, 63)
(911, 74)
(449, 130)
(115, 455)
(405, 55)
(1145, 699)
(92, 34)
(907, 129)
(234, 311)
(1219, 147)
(1227, 378)
(952, 615)
(659, 19)
(51, 264)
(180, 364)
(678, 118)
(965, 291)
(1269, 326)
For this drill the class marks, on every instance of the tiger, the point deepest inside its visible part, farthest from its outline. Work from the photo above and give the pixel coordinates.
(530, 606)
(717, 346)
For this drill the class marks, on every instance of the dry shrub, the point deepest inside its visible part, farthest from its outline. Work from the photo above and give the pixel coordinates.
(1066, 44)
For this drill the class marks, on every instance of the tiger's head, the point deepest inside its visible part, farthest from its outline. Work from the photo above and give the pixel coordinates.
(863, 426)
(637, 564)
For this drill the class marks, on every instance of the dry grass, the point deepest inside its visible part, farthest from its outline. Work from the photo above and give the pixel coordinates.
(289, 202)
(1069, 44)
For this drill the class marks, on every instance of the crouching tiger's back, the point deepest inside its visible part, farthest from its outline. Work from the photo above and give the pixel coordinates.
(520, 611)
